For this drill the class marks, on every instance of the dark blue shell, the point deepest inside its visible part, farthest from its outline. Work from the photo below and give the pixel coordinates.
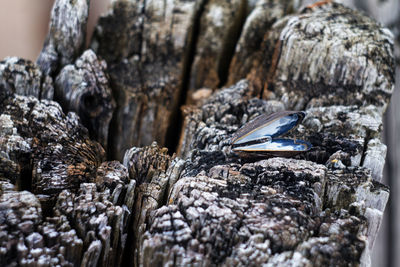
(258, 137)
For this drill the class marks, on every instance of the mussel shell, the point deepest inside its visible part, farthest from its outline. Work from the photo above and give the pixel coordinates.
(277, 147)
(258, 137)
(264, 126)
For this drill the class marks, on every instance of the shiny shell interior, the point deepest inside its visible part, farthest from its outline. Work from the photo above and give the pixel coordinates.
(260, 134)
(277, 145)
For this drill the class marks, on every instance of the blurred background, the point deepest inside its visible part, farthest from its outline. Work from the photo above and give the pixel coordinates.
(24, 25)
(23, 29)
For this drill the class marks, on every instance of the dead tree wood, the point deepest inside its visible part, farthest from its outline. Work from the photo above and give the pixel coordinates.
(85, 89)
(146, 45)
(327, 55)
(67, 34)
(61, 203)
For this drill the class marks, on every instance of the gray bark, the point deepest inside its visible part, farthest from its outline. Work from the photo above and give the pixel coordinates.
(61, 203)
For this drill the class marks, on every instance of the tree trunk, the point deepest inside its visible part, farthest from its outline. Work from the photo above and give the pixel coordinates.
(62, 203)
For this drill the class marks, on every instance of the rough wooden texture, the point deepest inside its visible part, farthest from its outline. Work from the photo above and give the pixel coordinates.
(211, 126)
(61, 203)
(388, 243)
(258, 23)
(352, 130)
(276, 211)
(84, 88)
(385, 254)
(145, 44)
(78, 209)
(85, 227)
(154, 172)
(23, 77)
(48, 147)
(339, 62)
(219, 29)
(100, 212)
(67, 34)
(343, 136)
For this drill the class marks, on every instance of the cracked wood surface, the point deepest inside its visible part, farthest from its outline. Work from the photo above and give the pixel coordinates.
(62, 203)
(146, 45)
(316, 58)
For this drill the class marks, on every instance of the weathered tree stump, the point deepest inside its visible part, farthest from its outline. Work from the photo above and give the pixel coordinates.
(62, 203)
